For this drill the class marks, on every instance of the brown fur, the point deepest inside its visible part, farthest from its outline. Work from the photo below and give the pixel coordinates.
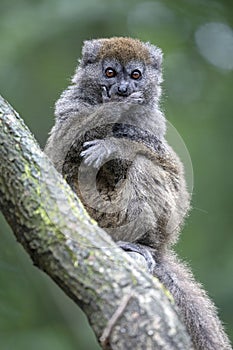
(124, 50)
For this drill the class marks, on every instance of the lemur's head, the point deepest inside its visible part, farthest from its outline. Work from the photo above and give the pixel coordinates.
(119, 67)
(114, 69)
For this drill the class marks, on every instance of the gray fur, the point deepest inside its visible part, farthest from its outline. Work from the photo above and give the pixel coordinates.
(111, 148)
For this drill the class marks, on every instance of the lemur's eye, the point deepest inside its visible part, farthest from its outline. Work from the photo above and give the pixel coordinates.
(136, 74)
(110, 72)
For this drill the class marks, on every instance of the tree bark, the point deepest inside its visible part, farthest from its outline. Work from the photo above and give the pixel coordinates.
(126, 307)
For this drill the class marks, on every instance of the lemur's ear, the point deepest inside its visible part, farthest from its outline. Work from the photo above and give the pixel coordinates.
(90, 51)
(156, 55)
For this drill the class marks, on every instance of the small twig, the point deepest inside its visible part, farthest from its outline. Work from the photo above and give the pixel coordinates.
(104, 339)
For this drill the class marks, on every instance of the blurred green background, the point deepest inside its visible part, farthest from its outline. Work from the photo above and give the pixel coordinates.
(40, 42)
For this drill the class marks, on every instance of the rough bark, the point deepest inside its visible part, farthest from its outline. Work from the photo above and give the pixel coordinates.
(126, 307)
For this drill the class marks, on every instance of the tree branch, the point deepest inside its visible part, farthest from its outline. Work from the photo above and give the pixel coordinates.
(127, 308)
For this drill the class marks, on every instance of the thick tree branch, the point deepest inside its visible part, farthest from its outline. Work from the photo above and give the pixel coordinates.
(127, 308)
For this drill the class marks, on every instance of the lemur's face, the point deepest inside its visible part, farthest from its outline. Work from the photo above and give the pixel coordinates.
(120, 81)
(119, 69)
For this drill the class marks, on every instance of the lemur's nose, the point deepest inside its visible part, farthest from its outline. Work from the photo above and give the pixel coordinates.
(123, 88)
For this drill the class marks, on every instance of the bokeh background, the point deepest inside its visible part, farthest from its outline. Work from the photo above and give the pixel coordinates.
(40, 41)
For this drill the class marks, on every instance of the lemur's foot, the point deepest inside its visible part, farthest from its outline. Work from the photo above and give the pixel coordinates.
(140, 249)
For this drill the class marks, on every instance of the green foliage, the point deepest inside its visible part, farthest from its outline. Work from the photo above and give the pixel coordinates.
(40, 42)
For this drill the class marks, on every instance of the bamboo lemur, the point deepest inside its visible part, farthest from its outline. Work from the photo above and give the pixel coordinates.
(109, 143)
